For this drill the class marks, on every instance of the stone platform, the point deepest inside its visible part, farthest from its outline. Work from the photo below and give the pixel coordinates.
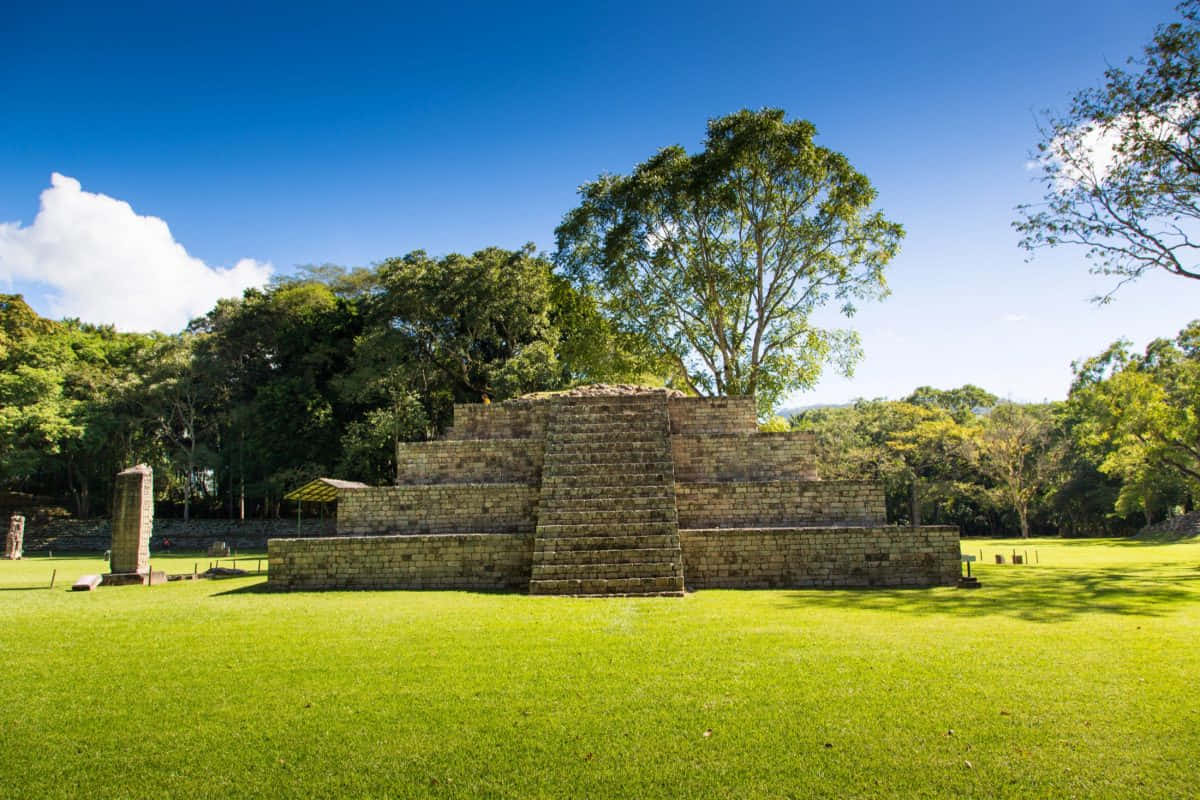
(636, 492)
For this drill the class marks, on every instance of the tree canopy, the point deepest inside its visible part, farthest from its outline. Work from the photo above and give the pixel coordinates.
(1121, 168)
(720, 258)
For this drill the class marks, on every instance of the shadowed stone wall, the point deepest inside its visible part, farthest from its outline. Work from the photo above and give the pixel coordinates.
(133, 520)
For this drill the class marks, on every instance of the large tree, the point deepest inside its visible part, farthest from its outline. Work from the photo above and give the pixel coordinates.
(720, 258)
(1121, 168)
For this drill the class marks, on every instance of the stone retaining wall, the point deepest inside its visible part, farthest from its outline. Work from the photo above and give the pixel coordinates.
(425, 509)
(486, 561)
(779, 504)
(95, 536)
(470, 461)
(820, 557)
(712, 415)
(713, 457)
(511, 420)
(729, 558)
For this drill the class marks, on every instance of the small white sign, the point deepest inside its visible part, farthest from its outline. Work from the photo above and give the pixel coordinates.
(968, 558)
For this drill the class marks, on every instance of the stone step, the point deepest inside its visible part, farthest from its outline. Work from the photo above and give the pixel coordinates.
(604, 453)
(608, 529)
(614, 463)
(614, 494)
(608, 586)
(643, 428)
(549, 570)
(645, 541)
(639, 502)
(601, 433)
(615, 400)
(616, 484)
(570, 515)
(611, 409)
(632, 555)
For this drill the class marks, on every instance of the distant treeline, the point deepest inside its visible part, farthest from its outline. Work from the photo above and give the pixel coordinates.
(323, 372)
(319, 374)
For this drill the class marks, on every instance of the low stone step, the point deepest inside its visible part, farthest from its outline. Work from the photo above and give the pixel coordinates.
(556, 505)
(607, 529)
(605, 455)
(550, 496)
(607, 586)
(572, 515)
(646, 569)
(615, 463)
(608, 480)
(571, 436)
(643, 428)
(633, 555)
(645, 541)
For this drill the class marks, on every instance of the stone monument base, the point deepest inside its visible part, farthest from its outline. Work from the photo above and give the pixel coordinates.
(153, 578)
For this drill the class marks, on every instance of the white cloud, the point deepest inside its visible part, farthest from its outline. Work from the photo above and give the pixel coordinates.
(1014, 318)
(106, 264)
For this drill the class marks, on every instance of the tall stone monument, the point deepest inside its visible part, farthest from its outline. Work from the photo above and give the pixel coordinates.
(15, 543)
(132, 523)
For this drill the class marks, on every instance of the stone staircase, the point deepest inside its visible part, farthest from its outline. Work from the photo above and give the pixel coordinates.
(607, 523)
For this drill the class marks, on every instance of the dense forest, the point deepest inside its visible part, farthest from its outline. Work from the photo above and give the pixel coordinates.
(319, 374)
(323, 372)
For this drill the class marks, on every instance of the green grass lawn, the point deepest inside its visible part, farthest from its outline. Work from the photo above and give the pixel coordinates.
(1075, 677)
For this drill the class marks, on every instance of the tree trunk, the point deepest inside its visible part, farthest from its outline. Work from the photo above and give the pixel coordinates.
(1023, 514)
(915, 503)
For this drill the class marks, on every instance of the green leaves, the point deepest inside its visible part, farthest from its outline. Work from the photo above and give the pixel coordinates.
(720, 258)
(1121, 169)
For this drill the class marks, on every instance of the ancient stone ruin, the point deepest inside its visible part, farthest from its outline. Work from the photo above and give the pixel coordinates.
(14, 545)
(132, 524)
(614, 490)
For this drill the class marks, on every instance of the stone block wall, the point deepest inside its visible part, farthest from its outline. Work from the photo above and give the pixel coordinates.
(707, 458)
(510, 420)
(470, 461)
(444, 508)
(784, 558)
(779, 504)
(712, 415)
(465, 561)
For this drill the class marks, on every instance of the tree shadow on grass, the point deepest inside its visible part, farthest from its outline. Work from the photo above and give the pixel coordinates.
(1033, 595)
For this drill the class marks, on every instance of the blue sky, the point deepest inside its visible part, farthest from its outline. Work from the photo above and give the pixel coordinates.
(305, 134)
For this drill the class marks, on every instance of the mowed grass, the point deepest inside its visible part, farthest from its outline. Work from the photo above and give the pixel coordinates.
(1076, 677)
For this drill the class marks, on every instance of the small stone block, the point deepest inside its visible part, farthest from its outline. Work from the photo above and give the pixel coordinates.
(124, 578)
(86, 583)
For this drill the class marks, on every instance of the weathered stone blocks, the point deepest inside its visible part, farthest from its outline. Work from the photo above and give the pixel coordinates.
(779, 504)
(776, 558)
(478, 561)
(470, 461)
(14, 543)
(133, 520)
(444, 508)
(630, 491)
(712, 457)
